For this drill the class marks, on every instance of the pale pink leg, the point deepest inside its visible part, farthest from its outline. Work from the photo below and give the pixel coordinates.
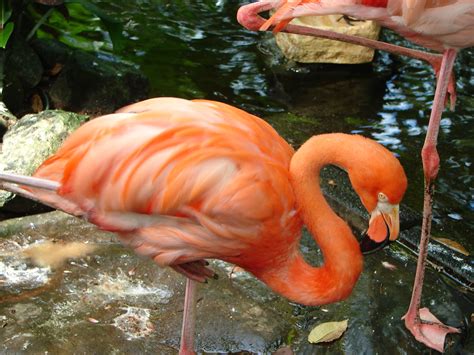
(422, 324)
(195, 271)
(248, 16)
(189, 319)
(13, 183)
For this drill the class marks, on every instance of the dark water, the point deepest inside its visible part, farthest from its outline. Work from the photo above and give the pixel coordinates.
(196, 49)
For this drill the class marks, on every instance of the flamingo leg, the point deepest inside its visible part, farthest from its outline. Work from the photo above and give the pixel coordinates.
(195, 272)
(425, 327)
(189, 318)
(29, 181)
(13, 182)
(248, 16)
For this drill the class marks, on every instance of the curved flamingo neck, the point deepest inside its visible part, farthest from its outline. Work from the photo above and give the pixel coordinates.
(294, 278)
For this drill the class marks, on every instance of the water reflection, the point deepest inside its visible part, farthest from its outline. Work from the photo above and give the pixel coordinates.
(196, 49)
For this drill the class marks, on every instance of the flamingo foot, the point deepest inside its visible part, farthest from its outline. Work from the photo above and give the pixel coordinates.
(428, 329)
(195, 270)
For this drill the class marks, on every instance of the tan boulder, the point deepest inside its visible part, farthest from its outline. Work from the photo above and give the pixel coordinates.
(308, 49)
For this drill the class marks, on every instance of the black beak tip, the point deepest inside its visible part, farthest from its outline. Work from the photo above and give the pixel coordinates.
(368, 246)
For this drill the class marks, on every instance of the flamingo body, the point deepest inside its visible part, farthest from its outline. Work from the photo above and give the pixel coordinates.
(179, 181)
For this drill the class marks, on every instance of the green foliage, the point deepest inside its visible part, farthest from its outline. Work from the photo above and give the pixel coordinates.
(77, 23)
(290, 337)
(113, 27)
(6, 28)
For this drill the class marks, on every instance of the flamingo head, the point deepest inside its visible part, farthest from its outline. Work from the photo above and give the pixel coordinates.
(384, 225)
(380, 184)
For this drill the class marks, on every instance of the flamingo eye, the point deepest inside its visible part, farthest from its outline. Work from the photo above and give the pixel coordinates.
(382, 197)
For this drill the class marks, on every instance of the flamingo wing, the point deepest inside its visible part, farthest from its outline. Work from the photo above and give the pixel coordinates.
(178, 180)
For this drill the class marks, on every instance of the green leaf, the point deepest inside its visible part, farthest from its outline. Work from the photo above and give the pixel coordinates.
(6, 13)
(5, 34)
(113, 26)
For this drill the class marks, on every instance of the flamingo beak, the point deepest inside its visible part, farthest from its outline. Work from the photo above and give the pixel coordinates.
(384, 226)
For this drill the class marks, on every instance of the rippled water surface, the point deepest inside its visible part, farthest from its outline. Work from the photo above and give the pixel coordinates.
(196, 49)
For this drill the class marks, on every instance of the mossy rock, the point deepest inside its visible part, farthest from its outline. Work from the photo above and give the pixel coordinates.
(34, 138)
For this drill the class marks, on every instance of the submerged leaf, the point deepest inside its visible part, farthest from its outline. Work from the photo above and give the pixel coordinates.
(389, 266)
(453, 245)
(327, 332)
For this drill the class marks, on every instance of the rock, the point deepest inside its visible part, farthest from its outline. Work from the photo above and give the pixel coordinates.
(32, 139)
(452, 263)
(49, 74)
(307, 49)
(51, 52)
(7, 119)
(23, 72)
(23, 61)
(80, 81)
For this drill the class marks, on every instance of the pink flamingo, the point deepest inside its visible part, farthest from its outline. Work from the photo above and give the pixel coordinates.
(444, 26)
(180, 181)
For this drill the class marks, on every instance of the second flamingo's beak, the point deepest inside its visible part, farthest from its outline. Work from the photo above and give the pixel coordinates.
(384, 226)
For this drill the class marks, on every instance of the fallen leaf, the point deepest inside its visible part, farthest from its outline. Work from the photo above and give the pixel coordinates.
(453, 245)
(56, 69)
(55, 254)
(327, 332)
(93, 320)
(36, 103)
(389, 266)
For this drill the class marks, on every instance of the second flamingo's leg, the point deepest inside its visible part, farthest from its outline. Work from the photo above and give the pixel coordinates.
(189, 318)
(422, 324)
